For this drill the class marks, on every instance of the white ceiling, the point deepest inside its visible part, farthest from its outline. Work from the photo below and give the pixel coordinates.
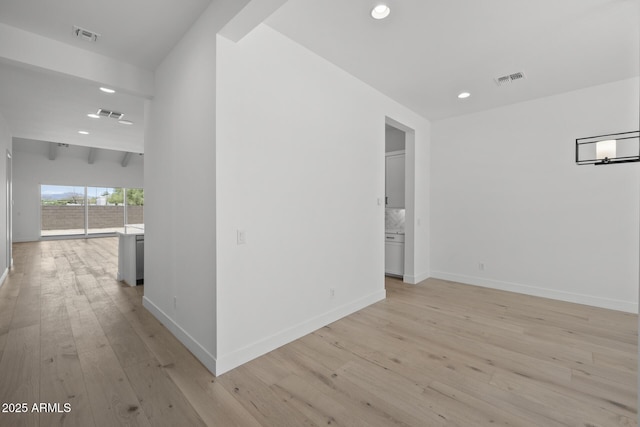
(52, 107)
(139, 32)
(47, 106)
(428, 51)
(423, 55)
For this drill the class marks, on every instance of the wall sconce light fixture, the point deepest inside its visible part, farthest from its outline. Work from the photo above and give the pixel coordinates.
(608, 149)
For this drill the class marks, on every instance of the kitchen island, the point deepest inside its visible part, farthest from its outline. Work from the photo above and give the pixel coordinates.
(131, 255)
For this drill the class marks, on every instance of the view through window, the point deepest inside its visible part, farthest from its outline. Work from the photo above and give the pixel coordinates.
(79, 210)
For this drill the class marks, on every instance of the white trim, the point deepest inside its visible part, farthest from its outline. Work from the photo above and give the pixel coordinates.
(183, 336)
(414, 280)
(612, 304)
(238, 357)
(395, 153)
(78, 236)
(4, 276)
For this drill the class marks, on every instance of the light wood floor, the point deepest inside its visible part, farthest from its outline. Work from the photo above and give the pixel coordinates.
(437, 354)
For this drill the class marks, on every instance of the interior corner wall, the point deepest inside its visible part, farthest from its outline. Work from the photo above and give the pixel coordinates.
(512, 210)
(300, 170)
(180, 190)
(32, 167)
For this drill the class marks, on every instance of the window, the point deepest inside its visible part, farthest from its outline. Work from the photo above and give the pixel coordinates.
(79, 210)
(135, 206)
(105, 210)
(63, 210)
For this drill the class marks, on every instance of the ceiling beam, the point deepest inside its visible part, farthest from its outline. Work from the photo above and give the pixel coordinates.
(125, 159)
(32, 50)
(53, 150)
(92, 155)
(252, 15)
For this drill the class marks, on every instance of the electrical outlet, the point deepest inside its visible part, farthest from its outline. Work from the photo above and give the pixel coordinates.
(175, 302)
(242, 237)
(332, 292)
(481, 266)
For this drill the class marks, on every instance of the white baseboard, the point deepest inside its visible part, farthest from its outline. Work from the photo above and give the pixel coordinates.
(414, 280)
(3, 278)
(238, 357)
(595, 301)
(183, 336)
(25, 239)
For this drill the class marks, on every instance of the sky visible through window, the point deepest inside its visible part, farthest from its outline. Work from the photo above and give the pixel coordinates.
(73, 195)
(67, 194)
(58, 190)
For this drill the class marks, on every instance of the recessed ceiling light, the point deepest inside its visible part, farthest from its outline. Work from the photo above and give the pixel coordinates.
(125, 122)
(464, 95)
(381, 11)
(93, 116)
(83, 132)
(107, 90)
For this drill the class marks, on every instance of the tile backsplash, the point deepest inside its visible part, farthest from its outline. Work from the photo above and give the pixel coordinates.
(394, 219)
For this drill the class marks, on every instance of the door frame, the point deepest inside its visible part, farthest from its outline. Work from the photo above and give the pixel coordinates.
(409, 198)
(9, 201)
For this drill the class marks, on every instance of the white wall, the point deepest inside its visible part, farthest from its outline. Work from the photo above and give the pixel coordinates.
(32, 167)
(269, 138)
(507, 193)
(180, 156)
(300, 168)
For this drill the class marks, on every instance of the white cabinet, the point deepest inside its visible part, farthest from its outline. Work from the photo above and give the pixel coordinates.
(394, 254)
(394, 180)
(131, 258)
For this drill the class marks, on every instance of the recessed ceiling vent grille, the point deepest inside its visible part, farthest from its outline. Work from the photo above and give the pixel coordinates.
(509, 78)
(84, 34)
(112, 114)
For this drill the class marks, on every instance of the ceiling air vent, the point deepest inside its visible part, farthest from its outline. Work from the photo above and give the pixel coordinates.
(84, 34)
(505, 80)
(112, 114)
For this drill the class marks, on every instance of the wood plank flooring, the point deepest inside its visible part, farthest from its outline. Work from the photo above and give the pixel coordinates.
(436, 354)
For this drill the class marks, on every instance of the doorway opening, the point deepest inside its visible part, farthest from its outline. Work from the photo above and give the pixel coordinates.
(399, 200)
(394, 201)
